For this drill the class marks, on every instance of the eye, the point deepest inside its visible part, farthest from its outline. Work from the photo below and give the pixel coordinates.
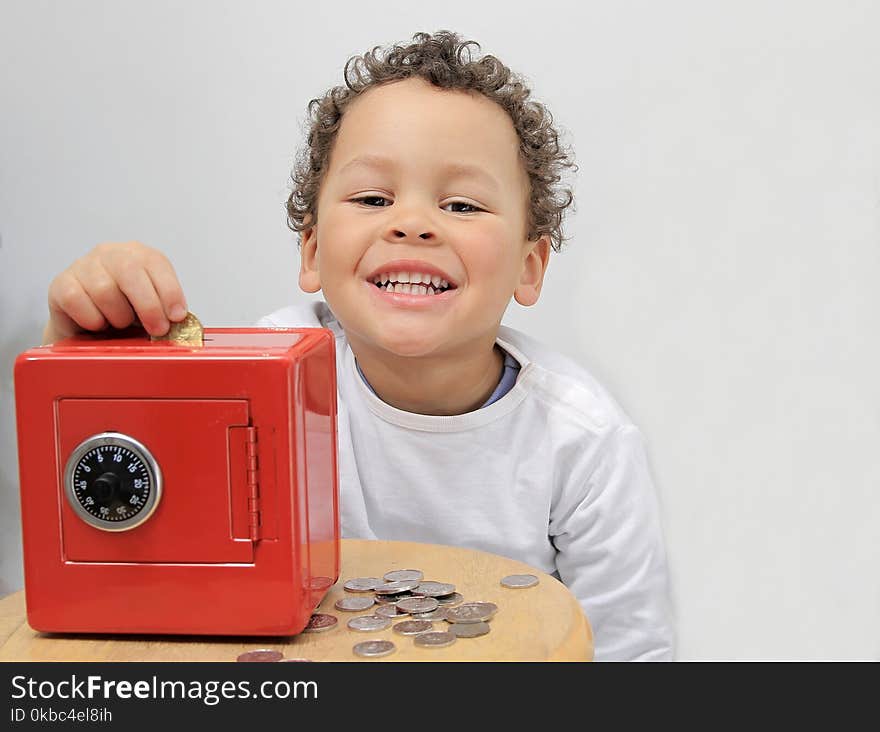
(473, 208)
(364, 200)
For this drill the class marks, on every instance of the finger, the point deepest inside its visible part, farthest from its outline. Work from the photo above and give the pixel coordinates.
(71, 310)
(167, 285)
(103, 290)
(59, 326)
(136, 286)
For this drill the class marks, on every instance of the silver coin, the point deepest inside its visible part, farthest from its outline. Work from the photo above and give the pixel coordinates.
(263, 654)
(368, 623)
(362, 584)
(413, 627)
(415, 605)
(397, 597)
(435, 639)
(394, 588)
(354, 604)
(374, 648)
(389, 611)
(438, 614)
(434, 589)
(469, 630)
(517, 581)
(471, 612)
(403, 575)
(456, 598)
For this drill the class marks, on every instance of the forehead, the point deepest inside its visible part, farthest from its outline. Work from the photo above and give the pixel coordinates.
(412, 123)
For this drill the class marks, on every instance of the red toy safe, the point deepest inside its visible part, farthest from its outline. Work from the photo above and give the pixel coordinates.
(178, 489)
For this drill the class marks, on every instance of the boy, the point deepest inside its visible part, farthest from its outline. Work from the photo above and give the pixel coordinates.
(425, 199)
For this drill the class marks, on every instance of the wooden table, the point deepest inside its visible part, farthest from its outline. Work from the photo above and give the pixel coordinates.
(541, 623)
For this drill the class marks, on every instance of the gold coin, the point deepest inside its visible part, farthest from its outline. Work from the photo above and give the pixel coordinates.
(188, 332)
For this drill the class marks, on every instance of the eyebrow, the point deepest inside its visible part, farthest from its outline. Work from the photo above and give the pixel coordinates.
(452, 169)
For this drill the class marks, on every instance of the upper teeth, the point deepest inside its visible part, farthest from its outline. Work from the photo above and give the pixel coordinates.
(414, 278)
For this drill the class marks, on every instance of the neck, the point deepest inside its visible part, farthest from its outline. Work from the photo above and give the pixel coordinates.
(435, 385)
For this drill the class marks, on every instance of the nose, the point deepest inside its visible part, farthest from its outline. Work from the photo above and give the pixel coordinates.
(411, 225)
(401, 234)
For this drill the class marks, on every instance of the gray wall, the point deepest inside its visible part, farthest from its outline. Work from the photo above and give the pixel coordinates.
(721, 281)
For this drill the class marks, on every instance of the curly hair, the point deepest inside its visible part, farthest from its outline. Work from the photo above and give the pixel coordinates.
(444, 60)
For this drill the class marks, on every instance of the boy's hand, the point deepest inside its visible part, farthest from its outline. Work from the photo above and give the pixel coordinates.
(115, 285)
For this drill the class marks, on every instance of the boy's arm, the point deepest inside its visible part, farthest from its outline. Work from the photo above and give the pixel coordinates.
(611, 551)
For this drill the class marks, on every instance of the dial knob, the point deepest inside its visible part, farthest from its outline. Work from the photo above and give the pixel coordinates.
(112, 482)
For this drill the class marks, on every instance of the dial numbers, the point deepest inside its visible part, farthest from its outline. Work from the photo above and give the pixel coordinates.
(112, 495)
(112, 482)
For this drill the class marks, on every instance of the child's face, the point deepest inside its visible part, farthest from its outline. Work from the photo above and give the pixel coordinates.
(420, 216)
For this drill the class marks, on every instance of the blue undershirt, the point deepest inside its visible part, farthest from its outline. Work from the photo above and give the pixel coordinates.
(505, 383)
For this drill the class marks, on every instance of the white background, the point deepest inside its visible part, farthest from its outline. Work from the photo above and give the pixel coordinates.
(721, 279)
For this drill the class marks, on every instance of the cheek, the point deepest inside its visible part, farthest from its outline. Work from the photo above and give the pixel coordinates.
(332, 266)
(491, 255)
(339, 246)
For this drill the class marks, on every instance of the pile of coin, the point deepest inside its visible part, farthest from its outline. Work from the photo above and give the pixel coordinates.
(405, 596)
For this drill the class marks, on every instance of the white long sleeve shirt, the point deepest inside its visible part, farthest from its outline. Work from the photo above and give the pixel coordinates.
(553, 474)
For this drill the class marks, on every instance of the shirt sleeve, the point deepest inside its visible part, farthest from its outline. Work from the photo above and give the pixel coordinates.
(611, 552)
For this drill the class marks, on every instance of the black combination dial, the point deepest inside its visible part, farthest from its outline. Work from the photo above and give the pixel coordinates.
(112, 482)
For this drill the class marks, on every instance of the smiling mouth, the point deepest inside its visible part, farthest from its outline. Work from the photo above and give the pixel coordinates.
(411, 283)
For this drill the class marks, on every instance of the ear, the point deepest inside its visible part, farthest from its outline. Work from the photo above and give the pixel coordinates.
(537, 256)
(309, 277)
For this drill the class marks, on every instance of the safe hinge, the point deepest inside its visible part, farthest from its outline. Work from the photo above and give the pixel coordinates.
(253, 484)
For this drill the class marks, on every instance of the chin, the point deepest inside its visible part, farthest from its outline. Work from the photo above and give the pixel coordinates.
(409, 347)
